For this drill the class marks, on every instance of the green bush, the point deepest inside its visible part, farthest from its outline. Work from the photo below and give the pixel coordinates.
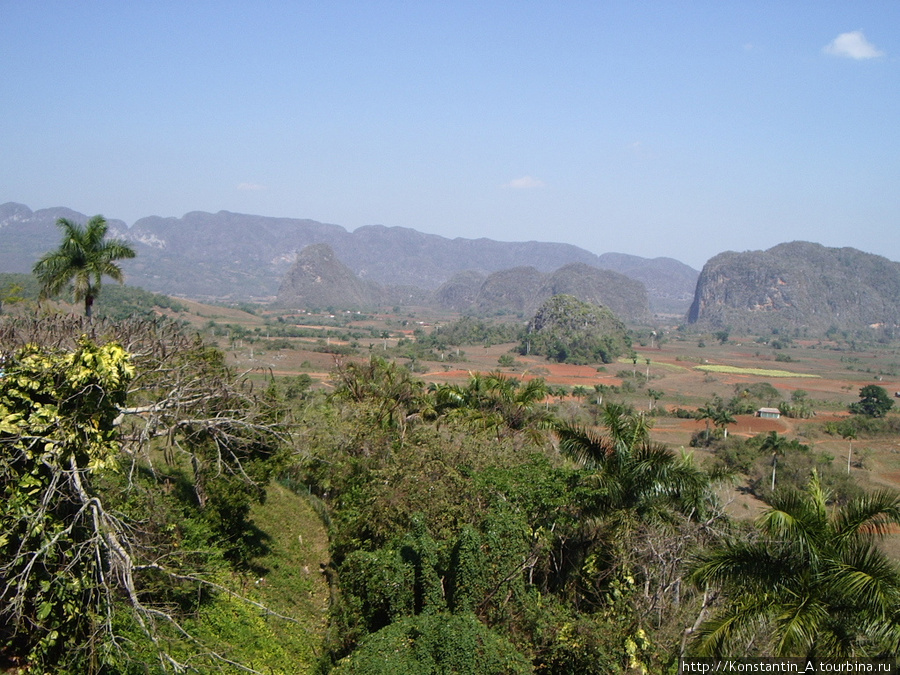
(432, 644)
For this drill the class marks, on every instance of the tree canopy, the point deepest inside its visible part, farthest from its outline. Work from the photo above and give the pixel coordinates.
(873, 402)
(813, 583)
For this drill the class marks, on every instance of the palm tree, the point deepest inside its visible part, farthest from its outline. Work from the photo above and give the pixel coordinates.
(814, 583)
(655, 395)
(777, 445)
(707, 412)
(634, 474)
(83, 258)
(394, 396)
(494, 401)
(722, 418)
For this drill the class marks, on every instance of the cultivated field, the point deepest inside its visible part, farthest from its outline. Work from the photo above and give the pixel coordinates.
(689, 370)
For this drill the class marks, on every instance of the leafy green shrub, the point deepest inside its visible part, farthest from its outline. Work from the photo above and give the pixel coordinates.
(435, 643)
(378, 585)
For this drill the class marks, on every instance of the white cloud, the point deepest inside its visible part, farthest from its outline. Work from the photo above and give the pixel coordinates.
(852, 45)
(250, 187)
(525, 183)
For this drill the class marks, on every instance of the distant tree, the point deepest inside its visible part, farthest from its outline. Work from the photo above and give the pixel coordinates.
(722, 335)
(873, 402)
(83, 258)
(722, 419)
(776, 445)
(708, 413)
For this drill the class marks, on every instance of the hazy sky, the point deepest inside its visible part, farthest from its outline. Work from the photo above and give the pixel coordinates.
(670, 128)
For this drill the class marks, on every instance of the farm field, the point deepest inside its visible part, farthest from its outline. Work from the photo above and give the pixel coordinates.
(687, 369)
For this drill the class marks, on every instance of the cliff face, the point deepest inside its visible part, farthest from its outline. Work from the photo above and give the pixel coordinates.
(567, 329)
(799, 285)
(524, 289)
(509, 290)
(459, 291)
(319, 279)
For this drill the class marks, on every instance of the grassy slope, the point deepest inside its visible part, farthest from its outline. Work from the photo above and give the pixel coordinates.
(292, 583)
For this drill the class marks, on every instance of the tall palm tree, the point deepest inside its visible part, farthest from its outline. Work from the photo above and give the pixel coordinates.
(83, 258)
(722, 419)
(814, 583)
(635, 475)
(776, 445)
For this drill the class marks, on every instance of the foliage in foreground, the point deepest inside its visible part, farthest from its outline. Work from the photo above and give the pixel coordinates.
(459, 504)
(127, 471)
(813, 584)
(434, 643)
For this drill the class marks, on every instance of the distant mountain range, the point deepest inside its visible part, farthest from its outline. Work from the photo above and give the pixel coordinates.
(244, 257)
(798, 286)
(319, 279)
(795, 287)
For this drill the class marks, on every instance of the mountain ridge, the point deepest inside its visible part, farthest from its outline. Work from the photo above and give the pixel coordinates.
(228, 255)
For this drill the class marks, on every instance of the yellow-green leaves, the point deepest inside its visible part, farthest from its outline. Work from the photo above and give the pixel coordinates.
(56, 428)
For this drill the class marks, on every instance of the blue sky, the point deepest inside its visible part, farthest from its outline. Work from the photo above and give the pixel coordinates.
(677, 129)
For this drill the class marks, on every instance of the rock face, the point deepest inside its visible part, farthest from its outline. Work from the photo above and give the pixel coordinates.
(26, 235)
(511, 290)
(567, 329)
(524, 289)
(460, 291)
(797, 286)
(670, 284)
(319, 279)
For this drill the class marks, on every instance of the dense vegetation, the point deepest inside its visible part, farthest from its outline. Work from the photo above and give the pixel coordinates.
(471, 528)
(118, 302)
(131, 456)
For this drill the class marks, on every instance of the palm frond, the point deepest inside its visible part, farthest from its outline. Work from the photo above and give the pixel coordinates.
(870, 514)
(584, 445)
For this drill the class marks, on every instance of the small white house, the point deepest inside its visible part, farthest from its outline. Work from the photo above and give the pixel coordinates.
(769, 413)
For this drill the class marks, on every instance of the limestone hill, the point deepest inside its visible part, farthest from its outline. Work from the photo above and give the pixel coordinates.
(798, 286)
